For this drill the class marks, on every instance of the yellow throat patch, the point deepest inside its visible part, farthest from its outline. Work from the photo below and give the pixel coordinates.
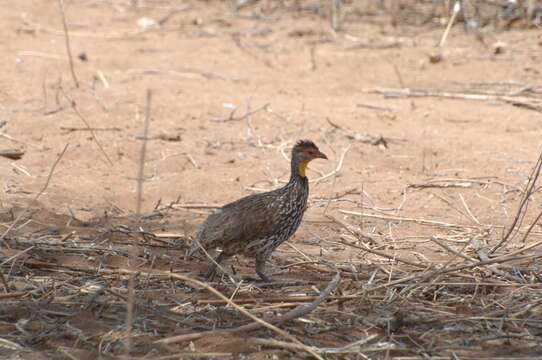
(302, 168)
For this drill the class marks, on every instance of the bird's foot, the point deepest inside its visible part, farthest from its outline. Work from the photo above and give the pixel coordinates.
(210, 274)
(264, 277)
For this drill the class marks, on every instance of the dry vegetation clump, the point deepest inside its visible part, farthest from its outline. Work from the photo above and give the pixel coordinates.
(65, 292)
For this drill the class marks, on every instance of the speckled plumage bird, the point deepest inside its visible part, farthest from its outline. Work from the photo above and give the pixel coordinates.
(257, 224)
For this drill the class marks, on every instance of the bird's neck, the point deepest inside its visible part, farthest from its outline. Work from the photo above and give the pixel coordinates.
(298, 170)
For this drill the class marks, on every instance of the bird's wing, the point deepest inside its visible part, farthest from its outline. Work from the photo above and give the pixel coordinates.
(252, 217)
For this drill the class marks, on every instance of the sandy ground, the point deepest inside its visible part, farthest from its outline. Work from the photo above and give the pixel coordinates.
(289, 77)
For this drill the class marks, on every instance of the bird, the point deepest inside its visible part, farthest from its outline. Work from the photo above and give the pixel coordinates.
(255, 225)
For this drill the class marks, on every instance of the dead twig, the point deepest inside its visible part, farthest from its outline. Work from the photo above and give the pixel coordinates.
(382, 254)
(11, 258)
(190, 355)
(466, 206)
(401, 218)
(241, 309)
(293, 314)
(70, 129)
(278, 344)
(337, 169)
(11, 295)
(374, 107)
(455, 11)
(67, 38)
(527, 102)
(242, 117)
(536, 220)
(441, 186)
(4, 282)
(452, 251)
(361, 137)
(523, 205)
(141, 168)
(195, 206)
(65, 352)
(348, 348)
(139, 200)
(289, 299)
(306, 309)
(14, 154)
(73, 105)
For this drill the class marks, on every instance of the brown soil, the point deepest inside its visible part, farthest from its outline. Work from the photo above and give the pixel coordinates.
(289, 77)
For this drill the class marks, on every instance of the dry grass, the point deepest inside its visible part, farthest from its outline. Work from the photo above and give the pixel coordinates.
(66, 291)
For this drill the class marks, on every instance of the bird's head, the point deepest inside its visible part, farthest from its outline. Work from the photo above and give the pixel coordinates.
(303, 152)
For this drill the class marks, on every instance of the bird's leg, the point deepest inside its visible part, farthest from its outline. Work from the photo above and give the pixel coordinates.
(211, 273)
(260, 266)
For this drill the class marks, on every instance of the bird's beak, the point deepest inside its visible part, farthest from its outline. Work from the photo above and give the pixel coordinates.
(322, 155)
